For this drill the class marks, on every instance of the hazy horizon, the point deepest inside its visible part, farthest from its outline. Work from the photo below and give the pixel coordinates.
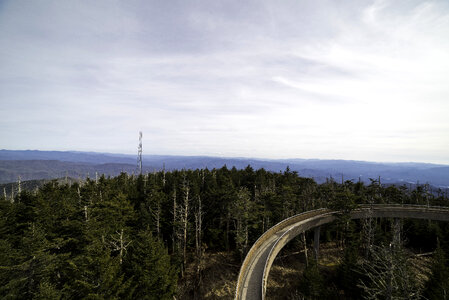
(357, 80)
(233, 157)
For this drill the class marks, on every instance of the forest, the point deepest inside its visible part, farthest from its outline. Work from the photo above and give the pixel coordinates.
(152, 236)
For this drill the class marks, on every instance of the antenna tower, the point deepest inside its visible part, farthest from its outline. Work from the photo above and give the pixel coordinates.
(139, 154)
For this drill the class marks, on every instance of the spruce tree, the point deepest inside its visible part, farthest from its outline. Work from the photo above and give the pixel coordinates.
(437, 287)
(148, 264)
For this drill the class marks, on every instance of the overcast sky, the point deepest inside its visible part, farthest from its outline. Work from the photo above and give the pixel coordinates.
(364, 80)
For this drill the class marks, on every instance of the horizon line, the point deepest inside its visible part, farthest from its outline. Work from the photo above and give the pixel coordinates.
(232, 157)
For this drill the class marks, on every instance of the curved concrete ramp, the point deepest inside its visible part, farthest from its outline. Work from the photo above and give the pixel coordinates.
(251, 283)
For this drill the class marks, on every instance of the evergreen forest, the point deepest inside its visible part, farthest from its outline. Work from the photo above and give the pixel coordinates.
(153, 236)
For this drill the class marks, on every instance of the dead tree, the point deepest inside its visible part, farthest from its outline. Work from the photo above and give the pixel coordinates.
(304, 242)
(19, 185)
(198, 247)
(163, 176)
(368, 230)
(388, 271)
(184, 215)
(156, 212)
(79, 194)
(389, 275)
(397, 229)
(12, 193)
(86, 216)
(198, 228)
(120, 243)
(175, 221)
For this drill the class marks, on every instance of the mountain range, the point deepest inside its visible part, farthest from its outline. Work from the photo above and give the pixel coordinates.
(34, 164)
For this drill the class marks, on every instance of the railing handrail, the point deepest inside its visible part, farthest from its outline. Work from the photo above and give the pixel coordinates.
(304, 216)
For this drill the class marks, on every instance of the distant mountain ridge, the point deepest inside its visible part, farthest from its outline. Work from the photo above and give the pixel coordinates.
(34, 164)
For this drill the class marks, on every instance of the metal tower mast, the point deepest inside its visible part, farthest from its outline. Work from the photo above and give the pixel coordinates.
(139, 154)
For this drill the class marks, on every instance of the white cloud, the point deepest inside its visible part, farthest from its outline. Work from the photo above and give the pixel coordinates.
(363, 80)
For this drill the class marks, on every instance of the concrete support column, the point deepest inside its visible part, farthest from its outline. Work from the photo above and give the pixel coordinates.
(316, 241)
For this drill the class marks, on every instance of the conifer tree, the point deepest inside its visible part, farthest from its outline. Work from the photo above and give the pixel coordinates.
(312, 283)
(437, 287)
(148, 264)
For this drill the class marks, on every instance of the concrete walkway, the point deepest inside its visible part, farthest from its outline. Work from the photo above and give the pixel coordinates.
(255, 269)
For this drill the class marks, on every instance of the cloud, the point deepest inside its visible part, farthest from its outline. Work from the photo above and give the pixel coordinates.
(291, 79)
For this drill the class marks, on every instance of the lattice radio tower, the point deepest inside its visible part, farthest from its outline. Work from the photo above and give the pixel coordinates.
(139, 154)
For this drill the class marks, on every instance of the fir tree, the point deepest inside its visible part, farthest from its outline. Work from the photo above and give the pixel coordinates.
(437, 287)
(148, 263)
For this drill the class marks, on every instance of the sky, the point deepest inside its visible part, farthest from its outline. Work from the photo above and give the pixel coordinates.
(356, 79)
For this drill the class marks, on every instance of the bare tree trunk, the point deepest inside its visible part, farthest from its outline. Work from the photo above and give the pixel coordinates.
(175, 218)
(397, 240)
(85, 213)
(185, 214)
(228, 218)
(157, 217)
(163, 176)
(263, 221)
(120, 244)
(198, 246)
(368, 231)
(12, 193)
(19, 186)
(79, 195)
(246, 236)
(305, 248)
(198, 229)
